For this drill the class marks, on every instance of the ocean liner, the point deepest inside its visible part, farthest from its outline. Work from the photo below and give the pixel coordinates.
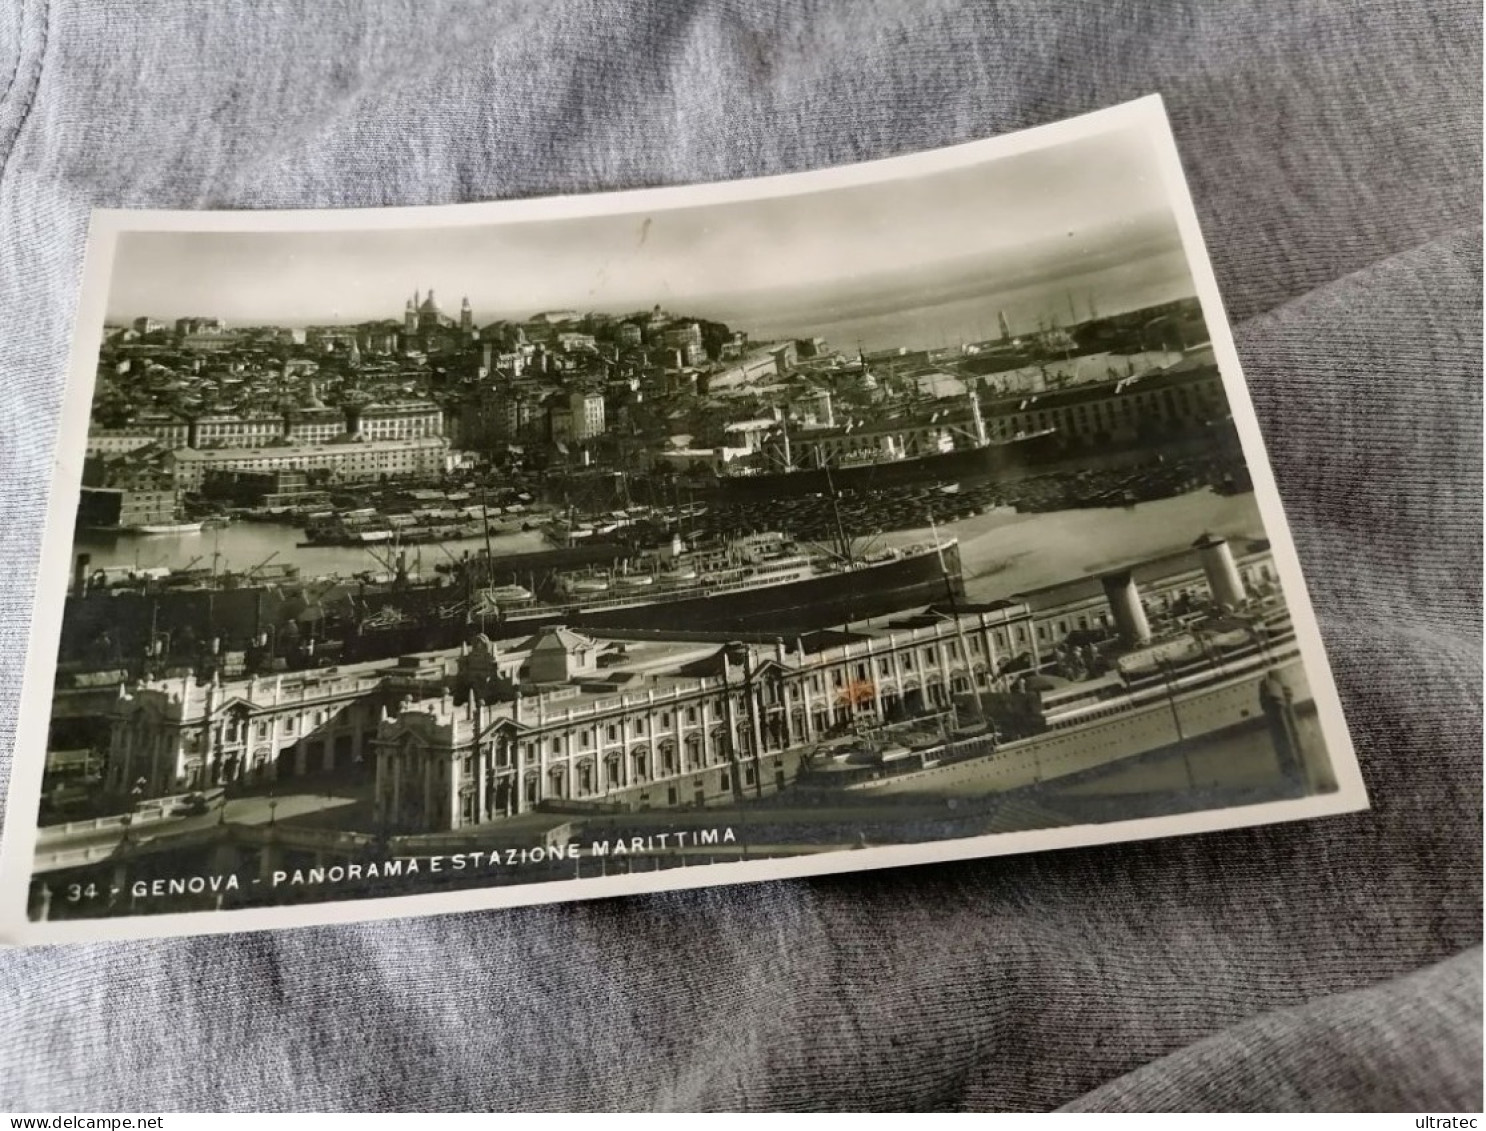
(759, 582)
(754, 583)
(1181, 689)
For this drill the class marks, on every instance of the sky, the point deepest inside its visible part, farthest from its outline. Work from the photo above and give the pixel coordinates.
(1086, 218)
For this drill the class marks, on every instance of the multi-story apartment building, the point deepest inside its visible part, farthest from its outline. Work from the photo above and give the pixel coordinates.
(576, 417)
(494, 415)
(117, 441)
(344, 462)
(314, 425)
(587, 411)
(168, 431)
(402, 421)
(210, 341)
(687, 339)
(113, 508)
(234, 430)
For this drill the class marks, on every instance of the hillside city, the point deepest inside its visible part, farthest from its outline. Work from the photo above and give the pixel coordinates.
(195, 408)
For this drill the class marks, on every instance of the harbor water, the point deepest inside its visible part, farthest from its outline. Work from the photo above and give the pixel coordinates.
(243, 545)
(1001, 553)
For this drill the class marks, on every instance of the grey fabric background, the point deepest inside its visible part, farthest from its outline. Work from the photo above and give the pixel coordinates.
(1333, 149)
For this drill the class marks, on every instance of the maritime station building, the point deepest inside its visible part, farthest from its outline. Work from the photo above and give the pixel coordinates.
(569, 721)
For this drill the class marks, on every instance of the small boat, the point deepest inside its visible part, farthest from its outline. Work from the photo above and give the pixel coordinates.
(168, 528)
(587, 586)
(507, 593)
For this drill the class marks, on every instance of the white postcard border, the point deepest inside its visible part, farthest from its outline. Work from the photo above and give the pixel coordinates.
(20, 834)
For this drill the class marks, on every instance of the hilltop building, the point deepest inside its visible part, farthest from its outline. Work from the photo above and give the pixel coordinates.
(427, 329)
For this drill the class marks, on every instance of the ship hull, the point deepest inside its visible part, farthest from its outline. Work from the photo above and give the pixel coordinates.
(1225, 705)
(807, 605)
(110, 629)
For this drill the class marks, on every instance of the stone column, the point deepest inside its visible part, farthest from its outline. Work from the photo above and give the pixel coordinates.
(946, 667)
(395, 768)
(897, 655)
(482, 777)
(520, 781)
(879, 712)
(456, 789)
(426, 758)
(543, 766)
(379, 782)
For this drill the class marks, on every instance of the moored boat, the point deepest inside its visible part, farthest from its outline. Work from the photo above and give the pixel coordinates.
(762, 581)
(1075, 730)
(167, 528)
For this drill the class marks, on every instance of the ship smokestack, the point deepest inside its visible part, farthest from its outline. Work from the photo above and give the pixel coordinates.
(1223, 579)
(1124, 604)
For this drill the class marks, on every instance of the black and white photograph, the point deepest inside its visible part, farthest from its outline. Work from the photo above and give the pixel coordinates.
(407, 561)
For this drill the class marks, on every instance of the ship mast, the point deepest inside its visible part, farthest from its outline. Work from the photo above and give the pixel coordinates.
(981, 438)
(485, 522)
(843, 543)
(954, 611)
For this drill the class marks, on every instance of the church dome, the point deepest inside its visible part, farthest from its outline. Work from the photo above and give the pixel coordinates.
(429, 305)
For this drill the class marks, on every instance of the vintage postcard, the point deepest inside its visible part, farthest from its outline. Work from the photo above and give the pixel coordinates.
(423, 560)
